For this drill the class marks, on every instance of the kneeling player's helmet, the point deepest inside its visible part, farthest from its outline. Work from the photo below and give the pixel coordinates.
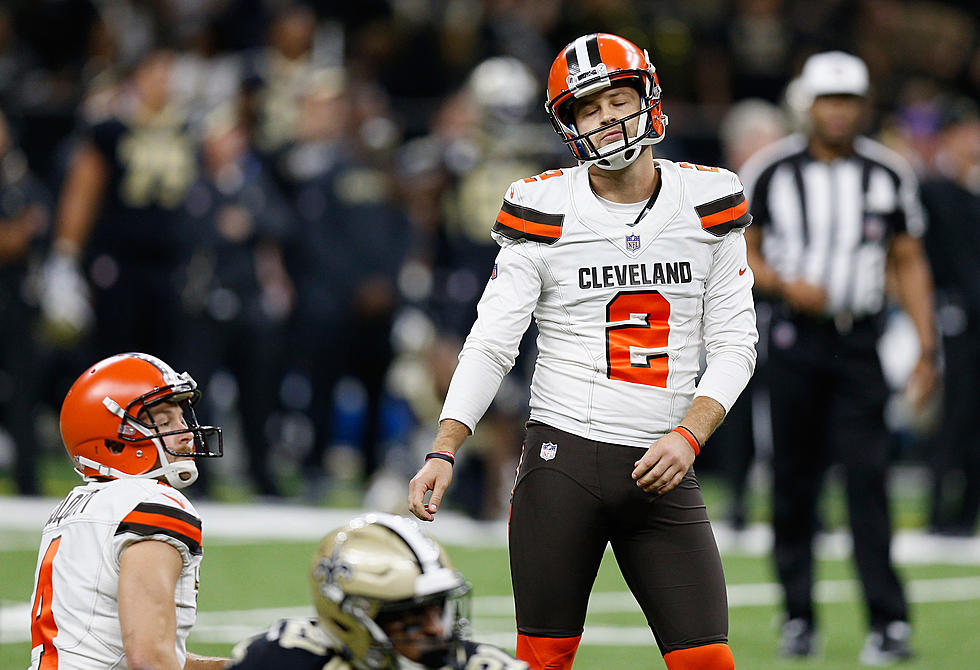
(588, 65)
(108, 432)
(379, 567)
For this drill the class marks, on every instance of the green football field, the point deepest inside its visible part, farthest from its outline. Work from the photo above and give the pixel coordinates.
(246, 584)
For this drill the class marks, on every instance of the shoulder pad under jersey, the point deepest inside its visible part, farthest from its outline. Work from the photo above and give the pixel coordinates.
(718, 198)
(525, 213)
(164, 512)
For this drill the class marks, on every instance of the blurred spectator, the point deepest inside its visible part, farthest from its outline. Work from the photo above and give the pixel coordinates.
(912, 127)
(350, 244)
(760, 36)
(491, 133)
(952, 201)
(412, 83)
(748, 126)
(281, 70)
(236, 293)
(25, 210)
(49, 53)
(119, 222)
(830, 209)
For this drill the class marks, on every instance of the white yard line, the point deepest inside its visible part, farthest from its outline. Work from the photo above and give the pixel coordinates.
(241, 523)
(494, 615)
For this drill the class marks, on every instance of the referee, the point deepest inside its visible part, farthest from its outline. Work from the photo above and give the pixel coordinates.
(832, 211)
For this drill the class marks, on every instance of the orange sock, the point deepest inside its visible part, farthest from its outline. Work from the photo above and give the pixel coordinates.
(547, 653)
(709, 657)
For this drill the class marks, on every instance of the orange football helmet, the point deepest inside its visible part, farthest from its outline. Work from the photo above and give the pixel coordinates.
(588, 65)
(108, 434)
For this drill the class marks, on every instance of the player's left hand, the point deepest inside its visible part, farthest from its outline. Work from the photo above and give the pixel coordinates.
(664, 464)
(435, 476)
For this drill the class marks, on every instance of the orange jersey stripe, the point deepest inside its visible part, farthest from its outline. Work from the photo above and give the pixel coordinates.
(165, 522)
(725, 215)
(44, 629)
(529, 227)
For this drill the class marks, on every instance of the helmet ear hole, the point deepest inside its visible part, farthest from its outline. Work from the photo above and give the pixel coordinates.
(115, 447)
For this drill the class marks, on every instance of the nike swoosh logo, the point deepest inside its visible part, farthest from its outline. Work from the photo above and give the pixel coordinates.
(175, 500)
(742, 271)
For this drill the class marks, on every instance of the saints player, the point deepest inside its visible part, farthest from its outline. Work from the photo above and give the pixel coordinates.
(117, 571)
(387, 597)
(629, 266)
(119, 225)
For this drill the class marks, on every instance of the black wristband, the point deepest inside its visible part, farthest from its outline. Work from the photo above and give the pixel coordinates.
(446, 456)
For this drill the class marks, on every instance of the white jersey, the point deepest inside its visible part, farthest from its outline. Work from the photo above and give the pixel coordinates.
(75, 606)
(622, 307)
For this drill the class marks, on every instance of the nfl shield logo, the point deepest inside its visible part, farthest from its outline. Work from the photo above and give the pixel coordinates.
(548, 450)
(632, 242)
(493, 273)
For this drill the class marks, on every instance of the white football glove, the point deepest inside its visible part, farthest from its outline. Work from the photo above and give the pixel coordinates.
(64, 298)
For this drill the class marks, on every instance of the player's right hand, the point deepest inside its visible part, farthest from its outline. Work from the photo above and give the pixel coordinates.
(434, 476)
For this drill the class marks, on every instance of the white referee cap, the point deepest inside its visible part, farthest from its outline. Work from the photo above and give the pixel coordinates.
(834, 73)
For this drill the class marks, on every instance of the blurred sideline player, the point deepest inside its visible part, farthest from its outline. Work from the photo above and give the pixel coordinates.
(345, 255)
(387, 597)
(119, 223)
(236, 291)
(488, 138)
(118, 567)
(628, 265)
(25, 212)
(952, 201)
(748, 126)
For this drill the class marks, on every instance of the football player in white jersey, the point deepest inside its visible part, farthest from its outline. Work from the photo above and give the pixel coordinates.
(629, 266)
(118, 566)
(387, 598)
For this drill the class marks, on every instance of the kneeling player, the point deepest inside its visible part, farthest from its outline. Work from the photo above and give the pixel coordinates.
(387, 597)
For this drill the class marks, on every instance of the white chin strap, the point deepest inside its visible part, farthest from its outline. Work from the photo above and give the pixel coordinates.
(174, 473)
(614, 157)
(618, 159)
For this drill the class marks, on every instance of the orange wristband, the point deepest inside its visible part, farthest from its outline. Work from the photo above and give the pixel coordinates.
(691, 438)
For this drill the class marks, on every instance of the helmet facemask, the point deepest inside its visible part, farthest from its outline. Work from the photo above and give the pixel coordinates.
(398, 626)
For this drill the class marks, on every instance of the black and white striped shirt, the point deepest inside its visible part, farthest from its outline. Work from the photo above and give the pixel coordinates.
(830, 224)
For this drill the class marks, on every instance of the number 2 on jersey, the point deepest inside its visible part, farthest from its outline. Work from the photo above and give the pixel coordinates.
(43, 626)
(637, 332)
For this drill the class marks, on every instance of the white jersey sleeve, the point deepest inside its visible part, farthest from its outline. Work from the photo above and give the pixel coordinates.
(490, 350)
(76, 583)
(729, 323)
